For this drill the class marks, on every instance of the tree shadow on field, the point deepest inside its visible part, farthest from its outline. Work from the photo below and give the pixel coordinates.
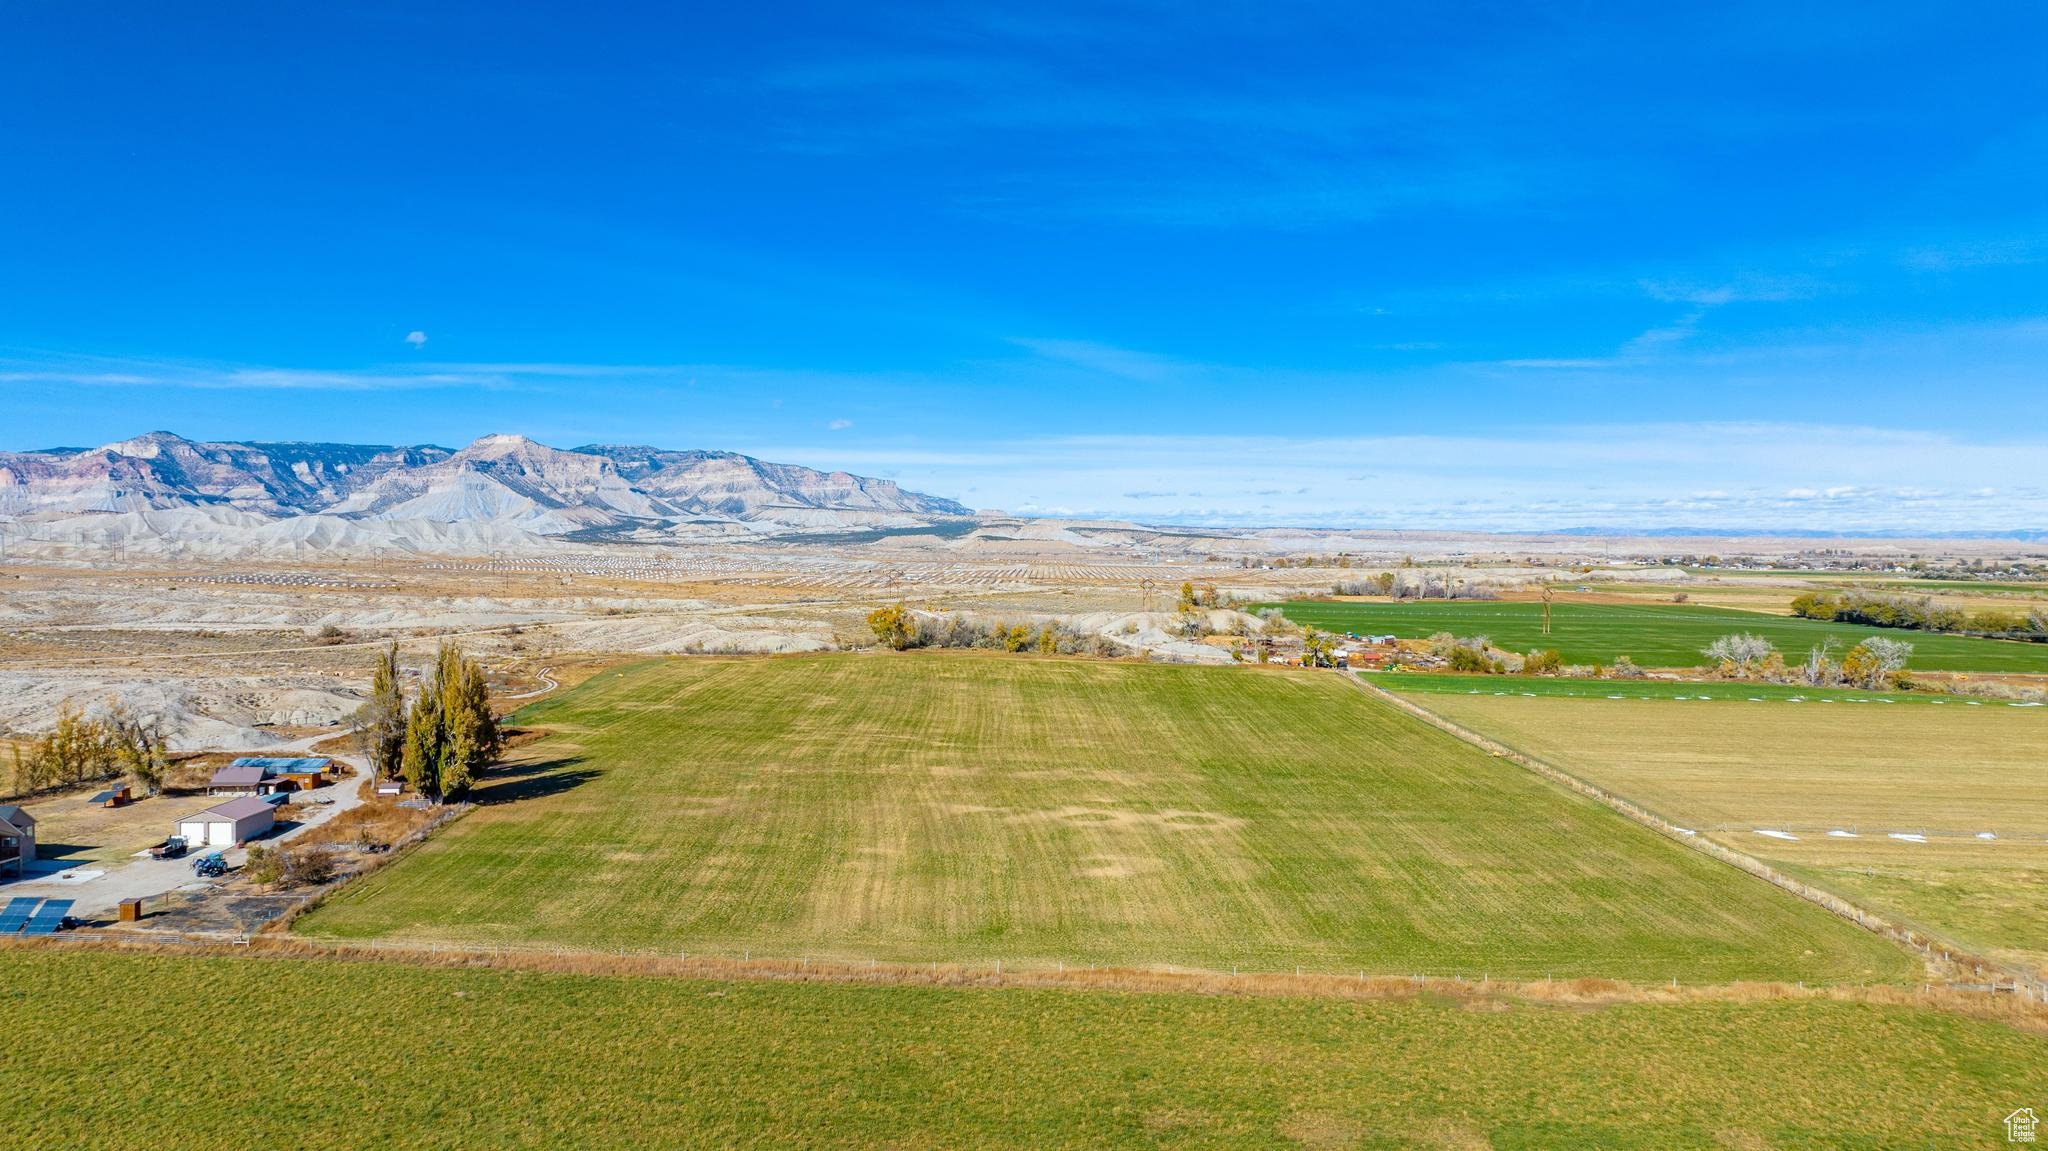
(517, 782)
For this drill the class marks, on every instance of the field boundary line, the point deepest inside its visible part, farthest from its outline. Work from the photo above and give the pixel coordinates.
(2016, 1010)
(1934, 949)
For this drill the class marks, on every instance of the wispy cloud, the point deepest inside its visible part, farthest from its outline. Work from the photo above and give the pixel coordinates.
(1983, 253)
(1723, 476)
(108, 372)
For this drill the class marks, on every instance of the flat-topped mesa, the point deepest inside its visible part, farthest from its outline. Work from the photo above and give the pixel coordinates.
(501, 481)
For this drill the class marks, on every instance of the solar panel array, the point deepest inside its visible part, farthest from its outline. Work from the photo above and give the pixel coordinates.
(48, 918)
(16, 914)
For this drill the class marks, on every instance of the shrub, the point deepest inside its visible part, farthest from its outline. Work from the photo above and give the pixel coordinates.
(305, 867)
(1466, 659)
(263, 866)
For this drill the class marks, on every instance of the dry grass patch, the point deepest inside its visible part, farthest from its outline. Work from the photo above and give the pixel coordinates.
(1730, 768)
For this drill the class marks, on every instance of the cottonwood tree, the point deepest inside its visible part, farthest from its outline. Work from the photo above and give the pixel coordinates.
(77, 749)
(1318, 648)
(1742, 654)
(1873, 663)
(380, 722)
(139, 747)
(1819, 670)
(891, 626)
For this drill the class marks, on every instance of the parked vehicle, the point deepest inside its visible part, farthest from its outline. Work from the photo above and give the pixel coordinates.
(170, 848)
(212, 865)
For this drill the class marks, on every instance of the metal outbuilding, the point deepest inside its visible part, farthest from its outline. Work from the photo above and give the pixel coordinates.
(236, 779)
(236, 821)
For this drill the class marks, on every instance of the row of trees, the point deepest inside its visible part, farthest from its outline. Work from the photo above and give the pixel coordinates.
(900, 628)
(1428, 585)
(109, 744)
(440, 741)
(1918, 613)
(1876, 663)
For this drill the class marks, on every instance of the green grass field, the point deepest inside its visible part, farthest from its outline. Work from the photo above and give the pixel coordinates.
(310, 1055)
(1654, 635)
(968, 808)
(1731, 768)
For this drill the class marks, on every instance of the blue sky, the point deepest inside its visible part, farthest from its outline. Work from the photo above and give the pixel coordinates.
(1423, 265)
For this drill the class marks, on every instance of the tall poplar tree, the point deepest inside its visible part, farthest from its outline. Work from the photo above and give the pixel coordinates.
(425, 735)
(451, 736)
(380, 722)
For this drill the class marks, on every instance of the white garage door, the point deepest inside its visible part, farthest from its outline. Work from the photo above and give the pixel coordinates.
(210, 833)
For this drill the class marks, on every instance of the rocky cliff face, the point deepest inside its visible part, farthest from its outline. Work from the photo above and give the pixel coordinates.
(498, 483)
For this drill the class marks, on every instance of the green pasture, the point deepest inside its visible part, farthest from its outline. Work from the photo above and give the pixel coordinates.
(1654, 635)
(969, 808)
(317, 1055)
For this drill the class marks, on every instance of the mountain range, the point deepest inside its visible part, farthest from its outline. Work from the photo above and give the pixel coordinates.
(502, 488)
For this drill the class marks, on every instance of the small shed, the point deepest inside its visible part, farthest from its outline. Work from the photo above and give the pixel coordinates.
(236, 821)
(17, 838)
(113, 797)
(390, 787)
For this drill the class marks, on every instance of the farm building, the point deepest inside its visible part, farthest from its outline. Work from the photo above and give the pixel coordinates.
(302, 773)
(236, 821)
(233, 780)
(261, 775)
(17, 838)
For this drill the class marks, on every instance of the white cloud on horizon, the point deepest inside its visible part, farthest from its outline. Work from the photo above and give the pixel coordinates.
(1725, 476)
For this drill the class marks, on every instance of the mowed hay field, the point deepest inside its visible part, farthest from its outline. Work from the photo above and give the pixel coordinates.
(967, 808)
(1654, 635)
(479, 1058)
(1733, 767)
(411, 1057)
